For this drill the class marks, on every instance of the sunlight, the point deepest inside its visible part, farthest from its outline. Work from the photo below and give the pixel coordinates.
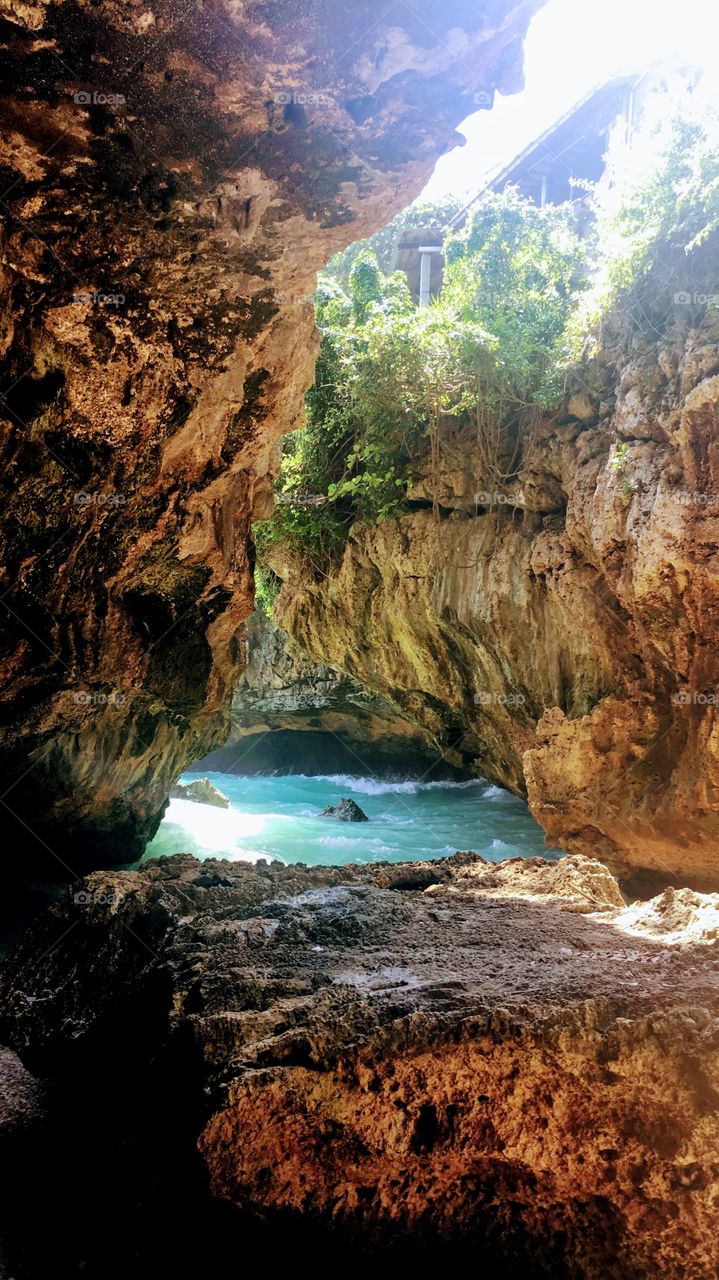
(214, 830)
(620, 37)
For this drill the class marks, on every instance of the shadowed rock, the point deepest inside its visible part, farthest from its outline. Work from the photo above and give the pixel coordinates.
(502, 1062)
(345, 811)
(175, 179)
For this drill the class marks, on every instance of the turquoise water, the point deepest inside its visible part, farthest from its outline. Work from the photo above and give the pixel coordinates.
(276, 817)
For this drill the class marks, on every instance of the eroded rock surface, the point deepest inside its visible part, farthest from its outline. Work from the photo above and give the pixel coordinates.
(292, 714)
(172, 177)
(557, 632)
(460, 1059)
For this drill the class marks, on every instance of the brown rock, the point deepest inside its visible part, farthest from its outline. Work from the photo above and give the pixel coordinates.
(172, 182)
(571, 659)
(507, 1063)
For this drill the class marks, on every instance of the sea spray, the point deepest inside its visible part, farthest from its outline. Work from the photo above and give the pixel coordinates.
(278, 817)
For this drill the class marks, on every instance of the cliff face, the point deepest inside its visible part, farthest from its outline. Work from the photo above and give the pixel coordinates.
(560, 634)
(172, 178)
(445, 1060)
(293, 715)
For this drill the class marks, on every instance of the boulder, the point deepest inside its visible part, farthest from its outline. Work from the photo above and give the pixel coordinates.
(346, 811)
(202, 791)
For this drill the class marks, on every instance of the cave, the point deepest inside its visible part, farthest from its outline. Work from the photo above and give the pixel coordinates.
(358, 715)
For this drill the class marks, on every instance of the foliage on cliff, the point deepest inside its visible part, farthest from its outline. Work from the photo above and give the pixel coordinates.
(650, 223)
(488, 348)
(524, 297)
(427, 214)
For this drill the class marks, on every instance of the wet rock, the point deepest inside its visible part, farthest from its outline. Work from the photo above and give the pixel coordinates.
(202, 791)
(501, 1061)
(346, 811)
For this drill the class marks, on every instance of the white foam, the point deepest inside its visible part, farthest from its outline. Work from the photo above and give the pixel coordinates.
(500, 846)
(376, 787)
(213, 829)
(347, 842)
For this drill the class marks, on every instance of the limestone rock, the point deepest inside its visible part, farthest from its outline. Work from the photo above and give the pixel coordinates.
(291, 714)
(202, 791)
(173, 179)
(560, 638)
(21, 1098)
(447, 1060)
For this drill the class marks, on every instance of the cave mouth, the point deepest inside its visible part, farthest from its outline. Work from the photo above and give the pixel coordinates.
(303, 978)
(278, 814)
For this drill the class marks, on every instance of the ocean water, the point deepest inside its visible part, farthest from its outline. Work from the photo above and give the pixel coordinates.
(277, 817)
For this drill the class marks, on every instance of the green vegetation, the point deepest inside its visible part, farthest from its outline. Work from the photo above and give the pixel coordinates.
(424, 214)
(487, 351)
(651, 224)
(522, 291)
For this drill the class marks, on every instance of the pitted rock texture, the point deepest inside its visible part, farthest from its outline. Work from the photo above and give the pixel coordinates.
(21, 1114)
(172, 177)
(557, 633)
(462, 1060)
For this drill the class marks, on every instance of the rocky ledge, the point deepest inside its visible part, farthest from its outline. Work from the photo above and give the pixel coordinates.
(558, 634)
(485, 1061)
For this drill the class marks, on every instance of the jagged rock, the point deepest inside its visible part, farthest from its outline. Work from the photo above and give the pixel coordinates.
(173, 178)
(568, 631)
(293, 715)
(22, 1113)
(494, 1063)
(202, 791)
(346, 811)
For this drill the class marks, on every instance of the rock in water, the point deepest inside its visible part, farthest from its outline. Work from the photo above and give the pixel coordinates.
(346, 811)
(202, 791)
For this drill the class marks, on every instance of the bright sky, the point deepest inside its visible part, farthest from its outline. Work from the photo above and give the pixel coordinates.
(571, 46)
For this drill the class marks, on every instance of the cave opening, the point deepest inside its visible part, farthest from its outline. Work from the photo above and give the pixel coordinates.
(359, 680)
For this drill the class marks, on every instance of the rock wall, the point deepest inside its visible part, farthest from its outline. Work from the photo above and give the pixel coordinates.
(172, 178)
(293, 715)
(449, 1061)
(559, 635)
